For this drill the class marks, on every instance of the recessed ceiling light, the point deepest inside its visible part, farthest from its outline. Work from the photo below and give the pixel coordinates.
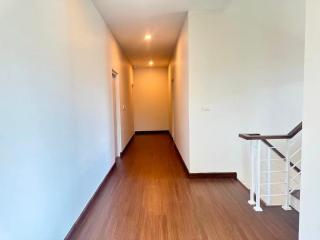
(151, 63)
(147, 37)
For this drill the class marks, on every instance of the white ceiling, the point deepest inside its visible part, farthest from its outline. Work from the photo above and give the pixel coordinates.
(130, 20)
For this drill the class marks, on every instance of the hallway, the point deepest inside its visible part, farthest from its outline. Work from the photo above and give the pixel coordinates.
(149, 197)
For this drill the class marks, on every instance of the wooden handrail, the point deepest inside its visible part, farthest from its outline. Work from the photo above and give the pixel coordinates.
(295, 131)
(261, 137)
(291, 134)
(265, 138)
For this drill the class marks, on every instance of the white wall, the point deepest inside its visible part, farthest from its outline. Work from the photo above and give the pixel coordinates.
(179, 68)
(56, 131)
(246, 75)
(126, 100)
(151, 99)
(310, 191)
(170, 103)
(122, 66)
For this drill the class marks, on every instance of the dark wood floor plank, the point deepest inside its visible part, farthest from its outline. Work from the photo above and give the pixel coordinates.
(149, 197)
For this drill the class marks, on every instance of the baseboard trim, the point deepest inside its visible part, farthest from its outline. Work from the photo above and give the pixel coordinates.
(242, 184)
(90, 204)
(232, 175)
(185, 168)
(126, 147)
(152, 132)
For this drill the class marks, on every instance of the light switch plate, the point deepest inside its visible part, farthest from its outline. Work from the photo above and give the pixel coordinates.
(207, 107)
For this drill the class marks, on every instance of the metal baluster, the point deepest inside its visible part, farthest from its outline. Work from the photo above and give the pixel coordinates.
(286, 205)
(252, 188)
(268, 175)
(257, 208)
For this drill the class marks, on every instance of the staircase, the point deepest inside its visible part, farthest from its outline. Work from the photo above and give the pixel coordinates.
(275, 177)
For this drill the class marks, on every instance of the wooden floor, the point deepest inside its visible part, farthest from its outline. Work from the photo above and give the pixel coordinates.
(149, 197)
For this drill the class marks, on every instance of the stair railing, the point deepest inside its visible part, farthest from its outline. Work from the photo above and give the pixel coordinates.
(290, 185)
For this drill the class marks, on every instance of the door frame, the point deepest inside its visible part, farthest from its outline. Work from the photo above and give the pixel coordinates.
(116, 112)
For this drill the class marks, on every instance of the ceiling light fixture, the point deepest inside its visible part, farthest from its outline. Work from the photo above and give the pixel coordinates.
(147, 37)
(151, 63)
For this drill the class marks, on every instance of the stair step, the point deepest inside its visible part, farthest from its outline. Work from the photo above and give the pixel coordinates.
(296, 194)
